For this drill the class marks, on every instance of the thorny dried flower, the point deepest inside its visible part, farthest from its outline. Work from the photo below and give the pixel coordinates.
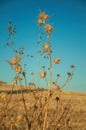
(48, 28)
(46, 17)
(40, 21)
(56, 60)
(43, 74)
(18, 68)
(43, 15)
(15, 60)
(46, 48)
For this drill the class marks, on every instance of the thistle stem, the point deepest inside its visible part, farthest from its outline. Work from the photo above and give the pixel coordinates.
(50, 70)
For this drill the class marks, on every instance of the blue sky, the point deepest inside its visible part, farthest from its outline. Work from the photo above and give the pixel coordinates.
(68, 41)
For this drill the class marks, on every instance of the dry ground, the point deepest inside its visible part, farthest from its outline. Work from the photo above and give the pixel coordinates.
(66, 111)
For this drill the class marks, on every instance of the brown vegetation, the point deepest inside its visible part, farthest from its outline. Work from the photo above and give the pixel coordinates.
(34, 108)
(66, 110)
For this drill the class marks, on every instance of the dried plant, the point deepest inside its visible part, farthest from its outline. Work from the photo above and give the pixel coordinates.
(42, 21)
(17, 113)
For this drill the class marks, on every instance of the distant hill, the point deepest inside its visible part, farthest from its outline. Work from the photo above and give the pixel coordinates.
(2, 82)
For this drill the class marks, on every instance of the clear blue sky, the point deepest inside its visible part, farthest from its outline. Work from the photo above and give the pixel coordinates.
(68, 40)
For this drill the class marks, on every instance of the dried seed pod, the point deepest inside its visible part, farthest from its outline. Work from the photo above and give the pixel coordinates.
(48, 28)
(15, 60)
(46, 17)
(56, 60)
(43, 74)
(46, 48)
(40, 21)
(43, 15)
(18, 68)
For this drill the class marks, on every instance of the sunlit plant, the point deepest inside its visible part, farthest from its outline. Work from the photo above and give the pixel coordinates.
(39, 110)
(44, 25)
(46, 50)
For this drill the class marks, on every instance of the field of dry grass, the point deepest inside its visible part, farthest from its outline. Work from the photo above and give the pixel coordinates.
(66, 110)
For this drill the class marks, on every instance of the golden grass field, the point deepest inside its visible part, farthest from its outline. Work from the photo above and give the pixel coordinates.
(65, 110)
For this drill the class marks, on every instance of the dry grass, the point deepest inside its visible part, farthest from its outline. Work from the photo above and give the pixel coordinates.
(66, 110)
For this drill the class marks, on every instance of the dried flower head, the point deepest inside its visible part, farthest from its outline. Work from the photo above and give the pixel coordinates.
(46, 17)
(15, 60)
(43, 15)
(56, 60)
(48, 28)
(46, 48)
(40, 21)
(18, 68)
(43, 74)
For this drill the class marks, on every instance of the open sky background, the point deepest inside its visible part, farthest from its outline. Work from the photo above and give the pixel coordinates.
(68, 41)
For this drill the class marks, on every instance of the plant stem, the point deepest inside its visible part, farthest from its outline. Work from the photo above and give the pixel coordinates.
(39, 42)
(25, 108)
(50, 71)
(46, 109)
